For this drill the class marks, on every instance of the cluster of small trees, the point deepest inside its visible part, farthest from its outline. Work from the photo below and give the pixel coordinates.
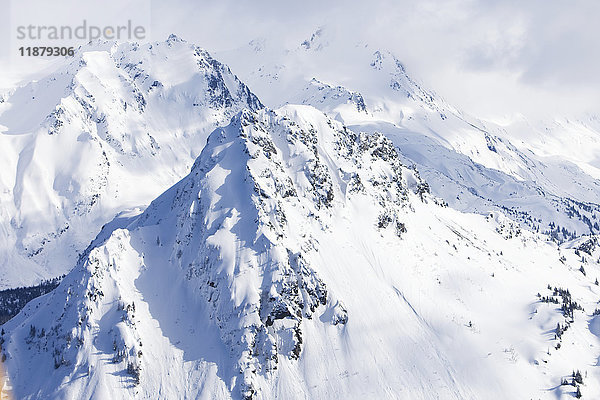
(13, 300)
(33, 331)
(561, 329)
(132, 358)
(135, 371)
(560, 234)
(568, 305)
(3, 356)
(59, 358)
(121, 306)
(576, 380)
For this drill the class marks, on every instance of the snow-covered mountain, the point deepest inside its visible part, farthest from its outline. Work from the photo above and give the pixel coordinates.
(107, 131)
(299, 259)
(360, 238)
(546, 175)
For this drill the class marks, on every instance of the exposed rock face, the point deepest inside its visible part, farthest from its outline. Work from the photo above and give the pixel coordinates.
(226, 227)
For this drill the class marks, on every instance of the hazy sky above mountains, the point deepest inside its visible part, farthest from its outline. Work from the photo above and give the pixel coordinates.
(491, 58)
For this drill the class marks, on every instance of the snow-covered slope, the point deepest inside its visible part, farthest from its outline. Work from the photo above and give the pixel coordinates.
(109, 130)
(545, 174)
(299, 259)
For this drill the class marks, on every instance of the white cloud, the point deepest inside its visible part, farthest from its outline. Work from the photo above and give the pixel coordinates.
(489, 57)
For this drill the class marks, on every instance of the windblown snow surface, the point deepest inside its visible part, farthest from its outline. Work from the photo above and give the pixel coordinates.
(371, 242)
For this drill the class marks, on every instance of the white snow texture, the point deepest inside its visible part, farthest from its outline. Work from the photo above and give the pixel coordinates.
(323, 239)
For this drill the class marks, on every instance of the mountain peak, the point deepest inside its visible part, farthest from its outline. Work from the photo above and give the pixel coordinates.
(174, 38)
(238, 233)
(117, 111)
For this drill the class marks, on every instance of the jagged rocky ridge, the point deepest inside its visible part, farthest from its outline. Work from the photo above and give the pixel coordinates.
(527, 170)
(214, 228)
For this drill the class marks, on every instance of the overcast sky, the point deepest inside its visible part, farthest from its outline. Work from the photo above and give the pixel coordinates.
(492, 58)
